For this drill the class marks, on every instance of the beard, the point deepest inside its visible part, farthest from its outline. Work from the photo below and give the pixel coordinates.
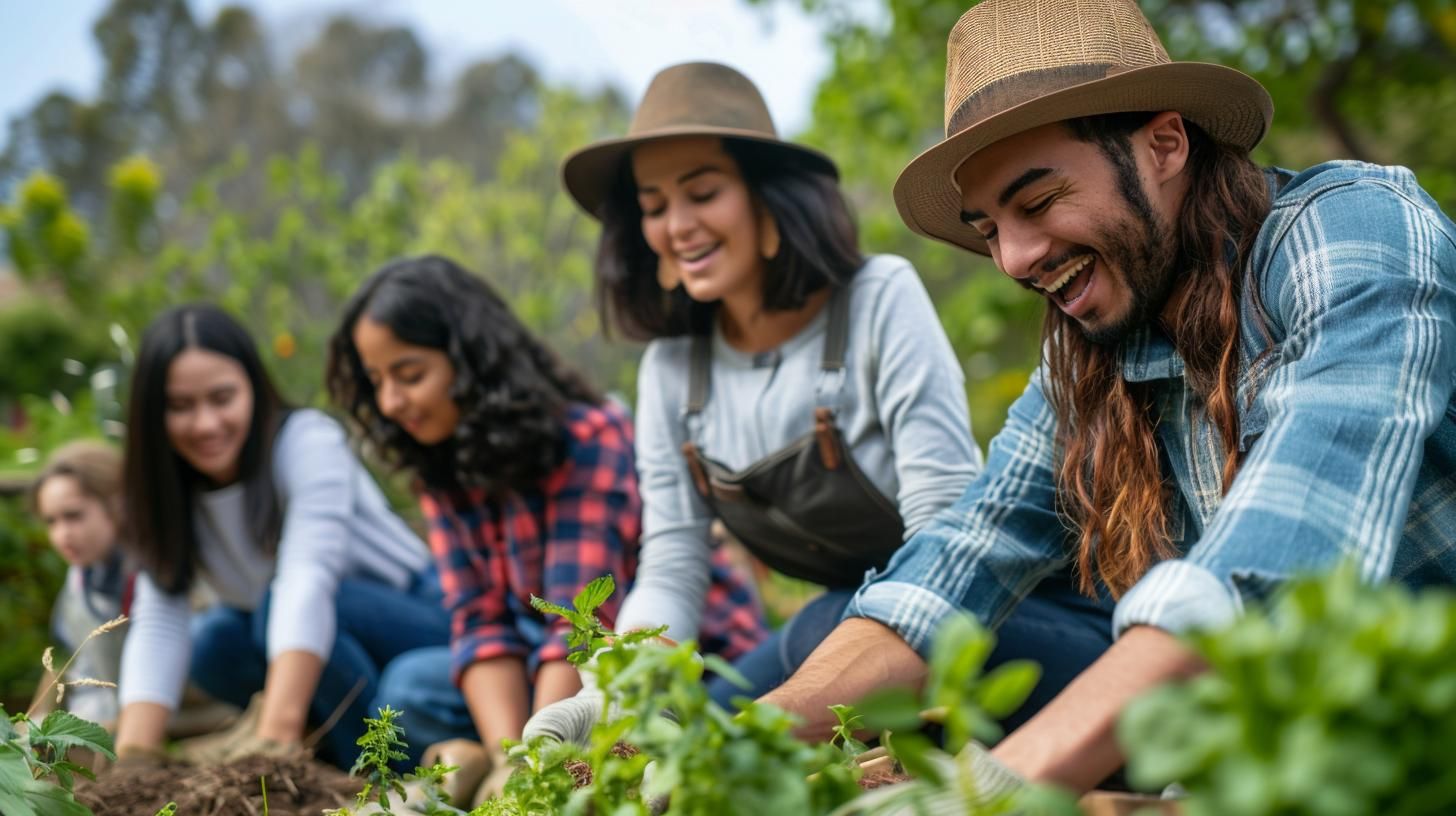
(1142, 251)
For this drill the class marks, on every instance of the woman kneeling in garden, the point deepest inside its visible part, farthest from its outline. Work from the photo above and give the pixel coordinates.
(527, 480)
(320, 583)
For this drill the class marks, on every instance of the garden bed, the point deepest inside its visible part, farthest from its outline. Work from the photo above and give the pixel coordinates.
(295, 787)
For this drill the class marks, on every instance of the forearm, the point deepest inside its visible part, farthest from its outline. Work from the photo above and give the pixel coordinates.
(555, 680)
(860, 656)
(498, 698)
(141, 726)
(1072, 742)
(292, 679)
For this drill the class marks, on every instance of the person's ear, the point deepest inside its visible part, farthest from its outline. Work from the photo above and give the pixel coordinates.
(1164, 141)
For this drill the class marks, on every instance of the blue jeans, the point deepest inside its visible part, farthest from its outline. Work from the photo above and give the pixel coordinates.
(376, 624)
(1057, 627)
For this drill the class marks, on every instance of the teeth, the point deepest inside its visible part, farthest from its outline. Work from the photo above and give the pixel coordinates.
(1069, 274)
(699, 255)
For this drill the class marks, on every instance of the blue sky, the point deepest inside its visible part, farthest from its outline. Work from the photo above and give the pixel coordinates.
(46, 44)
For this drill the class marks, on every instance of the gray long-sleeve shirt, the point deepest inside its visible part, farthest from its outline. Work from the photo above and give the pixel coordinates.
(902, 411)
(336, 524)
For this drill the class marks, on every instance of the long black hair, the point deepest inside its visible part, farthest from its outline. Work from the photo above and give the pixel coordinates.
(160, 485)
(511, 389)
(818, 245)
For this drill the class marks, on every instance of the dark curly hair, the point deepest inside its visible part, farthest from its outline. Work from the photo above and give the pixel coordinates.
(819, 246)
(511, 389)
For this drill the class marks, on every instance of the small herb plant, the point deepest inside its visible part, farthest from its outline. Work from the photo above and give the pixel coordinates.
(36, 776)
(967, 705)
(1339, 699)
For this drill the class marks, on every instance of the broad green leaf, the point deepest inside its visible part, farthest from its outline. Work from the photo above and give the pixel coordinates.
(594, 594)
(1006, 688)
(62, 730)
(894, 709)
(15, 780)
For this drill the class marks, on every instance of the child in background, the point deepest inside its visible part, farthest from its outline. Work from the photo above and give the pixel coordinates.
(78, 497)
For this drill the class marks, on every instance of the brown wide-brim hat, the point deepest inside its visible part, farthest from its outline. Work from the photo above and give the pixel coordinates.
(1014, 65)
(691, 99)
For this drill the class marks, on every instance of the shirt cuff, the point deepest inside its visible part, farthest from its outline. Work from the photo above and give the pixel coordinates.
(1177, 596)
(911, 611)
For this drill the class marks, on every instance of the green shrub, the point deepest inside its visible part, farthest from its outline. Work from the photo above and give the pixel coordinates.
(1339, 700)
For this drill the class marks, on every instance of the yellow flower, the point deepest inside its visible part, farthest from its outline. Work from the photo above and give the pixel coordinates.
(284, 345)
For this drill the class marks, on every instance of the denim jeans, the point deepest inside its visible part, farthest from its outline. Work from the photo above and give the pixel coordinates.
(1057, 627)
(376, 624)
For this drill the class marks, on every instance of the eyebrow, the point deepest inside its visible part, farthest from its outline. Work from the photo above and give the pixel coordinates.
(1016, 186)
(685, 177)
(408, 360)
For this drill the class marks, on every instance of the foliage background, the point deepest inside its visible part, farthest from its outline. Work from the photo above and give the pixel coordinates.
(213, 165)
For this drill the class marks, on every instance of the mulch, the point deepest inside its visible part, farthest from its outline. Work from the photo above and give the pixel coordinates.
(296, 787)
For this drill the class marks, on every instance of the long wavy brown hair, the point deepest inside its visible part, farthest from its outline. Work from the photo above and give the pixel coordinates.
(1112, 487)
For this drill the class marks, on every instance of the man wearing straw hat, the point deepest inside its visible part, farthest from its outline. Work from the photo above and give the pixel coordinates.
(1247, 373)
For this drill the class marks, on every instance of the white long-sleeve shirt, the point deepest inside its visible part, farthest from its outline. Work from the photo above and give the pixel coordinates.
(336, 524)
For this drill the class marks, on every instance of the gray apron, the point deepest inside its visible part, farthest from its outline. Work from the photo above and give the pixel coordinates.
(806, 510)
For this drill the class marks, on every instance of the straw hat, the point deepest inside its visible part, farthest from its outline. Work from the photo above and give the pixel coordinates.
(691, 99)
(1013, 65)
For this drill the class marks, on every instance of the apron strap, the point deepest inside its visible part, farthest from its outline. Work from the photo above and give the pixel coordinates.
(836, 341)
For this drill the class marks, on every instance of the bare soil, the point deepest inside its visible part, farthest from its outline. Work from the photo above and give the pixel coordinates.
(296, 787)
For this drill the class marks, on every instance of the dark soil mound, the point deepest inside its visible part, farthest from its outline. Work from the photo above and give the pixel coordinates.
(296, 787)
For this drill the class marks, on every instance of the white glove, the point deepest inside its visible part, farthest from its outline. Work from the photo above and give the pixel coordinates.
(568, 720)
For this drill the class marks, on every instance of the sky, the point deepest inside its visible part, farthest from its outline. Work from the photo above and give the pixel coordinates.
(46, 44)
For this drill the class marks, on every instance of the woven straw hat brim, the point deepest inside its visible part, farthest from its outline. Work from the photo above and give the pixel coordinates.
(588, 173)
(1231, 106)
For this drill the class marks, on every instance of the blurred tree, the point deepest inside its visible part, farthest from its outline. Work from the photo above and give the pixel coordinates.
(189, 93)
(1374, 79)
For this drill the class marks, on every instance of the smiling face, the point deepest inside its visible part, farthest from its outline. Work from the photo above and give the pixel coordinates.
(209, 411)
(698, 215)
(411, 383)
(79, 525)
(1082, 224)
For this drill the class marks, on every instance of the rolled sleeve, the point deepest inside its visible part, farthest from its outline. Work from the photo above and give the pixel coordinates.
(985, 552)
(1177, 596)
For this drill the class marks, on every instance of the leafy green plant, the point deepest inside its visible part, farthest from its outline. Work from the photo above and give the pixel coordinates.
(850, 721)
(967, 704)
(382, 743)
(1339, 698)
(588, 636)
(37, 777)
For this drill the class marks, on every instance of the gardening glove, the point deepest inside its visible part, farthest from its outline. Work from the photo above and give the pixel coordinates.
(571, 719)
(472, 762)
(993, 779)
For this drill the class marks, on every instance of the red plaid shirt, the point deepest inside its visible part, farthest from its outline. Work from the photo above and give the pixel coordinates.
(584, 521)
